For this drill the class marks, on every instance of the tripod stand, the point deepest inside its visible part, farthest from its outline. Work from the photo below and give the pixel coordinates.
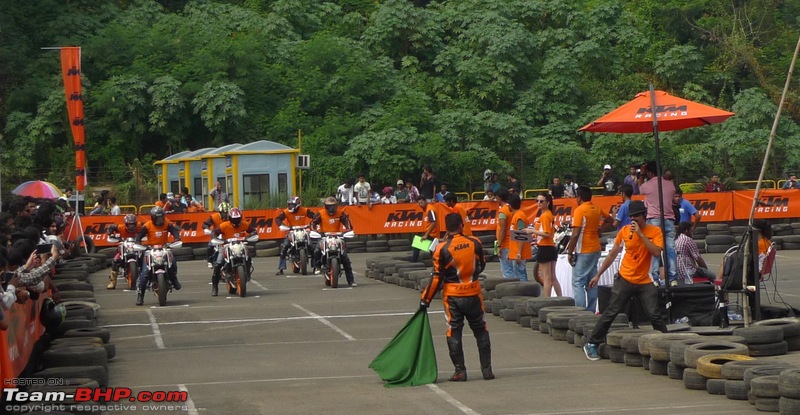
(77, 236)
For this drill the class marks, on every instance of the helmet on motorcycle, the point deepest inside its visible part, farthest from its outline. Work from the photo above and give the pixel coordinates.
(157, 215)
(293, 203)
(223, 210)
(235, 216)
(130, 222)
(330, 205)
(52, 315)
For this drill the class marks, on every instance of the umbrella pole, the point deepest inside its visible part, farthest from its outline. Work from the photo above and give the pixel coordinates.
(661, 204)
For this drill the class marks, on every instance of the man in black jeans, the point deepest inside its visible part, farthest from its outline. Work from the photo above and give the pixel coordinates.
(643, 243)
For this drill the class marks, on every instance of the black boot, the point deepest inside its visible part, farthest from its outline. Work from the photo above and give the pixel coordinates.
(215, 282)
(139, 297)
(457, 357)
(175, 283)
(485, 354)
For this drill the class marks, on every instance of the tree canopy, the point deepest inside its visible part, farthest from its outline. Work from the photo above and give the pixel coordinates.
(385, 87)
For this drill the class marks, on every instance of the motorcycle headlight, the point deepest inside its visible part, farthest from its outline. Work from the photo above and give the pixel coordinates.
(237, 249)
(333, 244)
(158, 257)
(299, 235)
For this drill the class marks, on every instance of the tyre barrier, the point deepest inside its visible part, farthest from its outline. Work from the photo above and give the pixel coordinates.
(557, 316)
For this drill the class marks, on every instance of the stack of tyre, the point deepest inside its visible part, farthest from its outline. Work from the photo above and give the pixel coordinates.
(76, 352)
(699, 237)
(400, 271)
(786, 238)
(507, 298)
(719, 238)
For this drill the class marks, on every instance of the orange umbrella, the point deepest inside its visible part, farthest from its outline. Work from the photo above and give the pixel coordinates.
(672, 113)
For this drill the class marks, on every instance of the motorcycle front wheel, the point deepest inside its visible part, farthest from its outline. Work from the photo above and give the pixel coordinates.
(333, 272)
(133, 272)
(162, 289)
(241, 281)
(303, 262)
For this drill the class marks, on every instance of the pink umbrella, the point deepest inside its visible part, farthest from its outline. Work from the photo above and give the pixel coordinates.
(38, 188)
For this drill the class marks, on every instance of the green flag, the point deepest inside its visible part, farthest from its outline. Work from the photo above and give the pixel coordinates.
(409, 359)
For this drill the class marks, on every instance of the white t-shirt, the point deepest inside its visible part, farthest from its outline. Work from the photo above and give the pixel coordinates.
(389, 200)
(345, 195)
(362, 192)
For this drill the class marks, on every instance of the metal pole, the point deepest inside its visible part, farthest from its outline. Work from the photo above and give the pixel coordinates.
(661, 203)
(754, 242)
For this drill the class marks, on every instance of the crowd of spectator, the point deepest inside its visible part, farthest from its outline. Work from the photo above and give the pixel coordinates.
(30, 247)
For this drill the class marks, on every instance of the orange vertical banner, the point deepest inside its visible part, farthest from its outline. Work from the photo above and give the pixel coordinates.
(71, 71)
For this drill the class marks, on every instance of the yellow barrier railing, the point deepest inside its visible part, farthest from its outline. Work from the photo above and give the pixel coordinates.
(462, 196)
(477, 195)
(532, 193)
(751, 184)
(145, 208)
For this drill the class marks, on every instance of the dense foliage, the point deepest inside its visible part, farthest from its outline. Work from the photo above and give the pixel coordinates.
(384, 87)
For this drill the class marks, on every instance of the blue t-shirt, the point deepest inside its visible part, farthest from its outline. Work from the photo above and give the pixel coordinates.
(622, 215)
(687, 211)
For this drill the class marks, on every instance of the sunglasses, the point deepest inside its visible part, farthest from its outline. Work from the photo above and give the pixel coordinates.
(541, 201)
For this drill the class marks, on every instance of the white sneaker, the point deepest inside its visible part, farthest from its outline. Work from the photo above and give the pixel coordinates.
(317, 272)
(210, 265)
(354, 285)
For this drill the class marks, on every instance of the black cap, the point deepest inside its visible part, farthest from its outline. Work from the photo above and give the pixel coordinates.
(636, 207)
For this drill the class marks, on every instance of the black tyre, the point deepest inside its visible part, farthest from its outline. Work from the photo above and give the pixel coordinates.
(161, 292)
(789, 383)
(769, 349)
(97, 373)
(241, 281)
(334, 271)
(75, 355)
(303, 262)
(788, 405)
(133, 274)
(658, 367)
(715, 386)
(766, 386)
(695, 351)
(693, 380)
(101, 333)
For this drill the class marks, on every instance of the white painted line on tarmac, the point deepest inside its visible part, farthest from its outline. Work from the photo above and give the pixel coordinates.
(325, 321)
(258, 285)
(451, 400)
(230, 382)
(156, 330)
(273, 319)
(192, 410)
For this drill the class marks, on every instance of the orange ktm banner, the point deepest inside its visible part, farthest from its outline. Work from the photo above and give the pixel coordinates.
(713, 206)
(71, 72)
(17, 343)
(190, 225)
(772, 204)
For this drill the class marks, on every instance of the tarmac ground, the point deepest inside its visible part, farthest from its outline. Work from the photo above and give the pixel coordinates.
(293, 346)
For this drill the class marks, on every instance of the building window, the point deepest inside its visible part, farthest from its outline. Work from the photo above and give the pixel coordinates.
(256, 188)
(174, 186)
(198, 189)
(283, 184)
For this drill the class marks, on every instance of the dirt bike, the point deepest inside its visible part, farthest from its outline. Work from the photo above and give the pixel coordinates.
(298, 248)
(236, 267)
(131, 254)
(561, 237)
(332, 247)
(159, 260)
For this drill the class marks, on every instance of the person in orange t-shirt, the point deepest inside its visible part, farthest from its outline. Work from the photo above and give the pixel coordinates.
(502, 234)
(547, 255)
(518, 251)
(584, 247)
(451, 205)
(643, 245)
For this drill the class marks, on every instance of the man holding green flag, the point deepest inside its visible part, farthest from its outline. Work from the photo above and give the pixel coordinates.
(457, 263)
